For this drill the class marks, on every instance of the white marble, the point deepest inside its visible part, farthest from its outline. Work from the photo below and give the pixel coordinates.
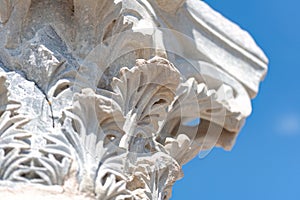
(98, 98)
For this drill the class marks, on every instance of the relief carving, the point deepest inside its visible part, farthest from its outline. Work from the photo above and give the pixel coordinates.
(108, 99)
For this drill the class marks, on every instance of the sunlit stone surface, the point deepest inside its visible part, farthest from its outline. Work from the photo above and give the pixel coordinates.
(108, 99)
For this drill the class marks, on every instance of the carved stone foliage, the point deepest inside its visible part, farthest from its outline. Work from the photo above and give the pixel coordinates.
(114, 133)
(108, 99)
(30, 156)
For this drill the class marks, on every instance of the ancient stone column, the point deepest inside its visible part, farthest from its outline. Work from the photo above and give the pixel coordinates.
(103, 99)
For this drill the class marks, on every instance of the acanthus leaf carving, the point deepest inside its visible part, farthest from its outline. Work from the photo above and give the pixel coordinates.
(144, 94)
(121, 125)
(183, 141)
(28, 156)
(67, 117)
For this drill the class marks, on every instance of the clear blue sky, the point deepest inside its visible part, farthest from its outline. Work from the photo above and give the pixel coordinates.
(265, 162)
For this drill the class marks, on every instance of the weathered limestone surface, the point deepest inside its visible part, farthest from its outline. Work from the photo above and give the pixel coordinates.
(99, 98)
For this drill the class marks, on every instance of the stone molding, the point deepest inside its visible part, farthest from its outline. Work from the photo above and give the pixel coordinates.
(108, 99)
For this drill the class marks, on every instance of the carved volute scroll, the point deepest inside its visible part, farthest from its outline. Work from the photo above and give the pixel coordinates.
(99, 99)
